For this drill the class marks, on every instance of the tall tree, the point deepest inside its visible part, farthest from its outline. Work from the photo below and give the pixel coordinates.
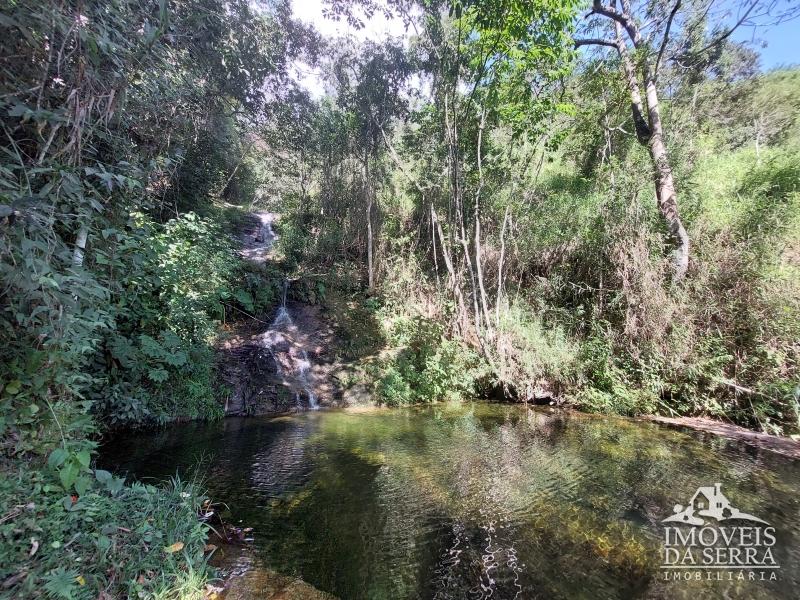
(649, 130)
(370, 80)
(641, 36)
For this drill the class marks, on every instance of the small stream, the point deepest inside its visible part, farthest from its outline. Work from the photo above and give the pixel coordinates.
(474, 500)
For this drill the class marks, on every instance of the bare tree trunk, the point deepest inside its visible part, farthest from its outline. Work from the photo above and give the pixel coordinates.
(80, 246)
(448, 262)
(643, 132)
(457, 209)
(500, 270)
(666, 196)
(651, 134)
(368, 192)
(475, 308)
(478, 252)
(435, 257)
(370, 270)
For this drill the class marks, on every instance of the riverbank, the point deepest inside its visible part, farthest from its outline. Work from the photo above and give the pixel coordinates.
(367, 347)
(129, 539)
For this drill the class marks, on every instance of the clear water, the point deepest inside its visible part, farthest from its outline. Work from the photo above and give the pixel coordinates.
(473, 501)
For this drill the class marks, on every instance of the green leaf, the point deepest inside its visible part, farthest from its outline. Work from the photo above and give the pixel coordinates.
(115, 485)
(67, 475)
(245, 298)
(84, 458)
(6, 21)
(102, 476)
(176, 359)
(82, 485)
(150, 346)
(158, 375)
(13, 387)
(18, 110)
(57, 458)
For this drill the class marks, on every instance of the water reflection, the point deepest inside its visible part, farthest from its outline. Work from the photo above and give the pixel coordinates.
(473, 501)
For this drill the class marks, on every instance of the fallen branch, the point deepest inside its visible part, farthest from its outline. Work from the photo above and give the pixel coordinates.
(246, 313)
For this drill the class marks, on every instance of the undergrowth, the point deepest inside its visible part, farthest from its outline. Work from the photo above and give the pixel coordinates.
(68, 539)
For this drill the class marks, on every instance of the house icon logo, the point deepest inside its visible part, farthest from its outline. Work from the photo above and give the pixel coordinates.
(721, 542)
(708, 502)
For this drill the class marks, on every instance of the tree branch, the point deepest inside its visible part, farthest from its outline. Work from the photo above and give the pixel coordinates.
(665, 39)
(623, 18)
(595, 42)
(726, 35)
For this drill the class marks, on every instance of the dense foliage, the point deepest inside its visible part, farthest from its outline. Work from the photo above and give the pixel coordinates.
(509, 199)
(124, 130)
(131, 539)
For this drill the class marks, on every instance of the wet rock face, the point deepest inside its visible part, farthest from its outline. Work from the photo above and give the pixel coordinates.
(257, 237)
(286, 368)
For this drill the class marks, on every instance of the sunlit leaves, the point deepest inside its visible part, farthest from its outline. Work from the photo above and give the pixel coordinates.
(172, 548)
(518, 52)
(101, 112)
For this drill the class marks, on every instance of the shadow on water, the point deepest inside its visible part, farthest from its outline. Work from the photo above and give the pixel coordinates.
(472, 501)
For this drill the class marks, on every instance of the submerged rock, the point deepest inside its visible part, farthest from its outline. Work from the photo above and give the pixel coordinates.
(269, 585)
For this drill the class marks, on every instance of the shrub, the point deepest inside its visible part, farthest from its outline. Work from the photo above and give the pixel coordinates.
(394, 389)
(155, 364)
(532, 354)
(428, 367)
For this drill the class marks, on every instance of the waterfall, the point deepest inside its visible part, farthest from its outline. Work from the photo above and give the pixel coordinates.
(282, 317)
(303, 367)
(265, 234)
(292, 363)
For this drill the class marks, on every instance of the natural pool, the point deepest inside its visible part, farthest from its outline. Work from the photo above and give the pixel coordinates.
(476, 500)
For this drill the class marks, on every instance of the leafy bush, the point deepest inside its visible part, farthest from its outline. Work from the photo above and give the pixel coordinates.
(428, 367)
(531, 353)
(609, 387)
(155, 363)
(194, 264)
(394, 389)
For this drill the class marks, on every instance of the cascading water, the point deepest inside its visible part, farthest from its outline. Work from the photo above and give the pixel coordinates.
(292, 362)
(303, 368)
(265, 234)
(257, 245)
(282, 317)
